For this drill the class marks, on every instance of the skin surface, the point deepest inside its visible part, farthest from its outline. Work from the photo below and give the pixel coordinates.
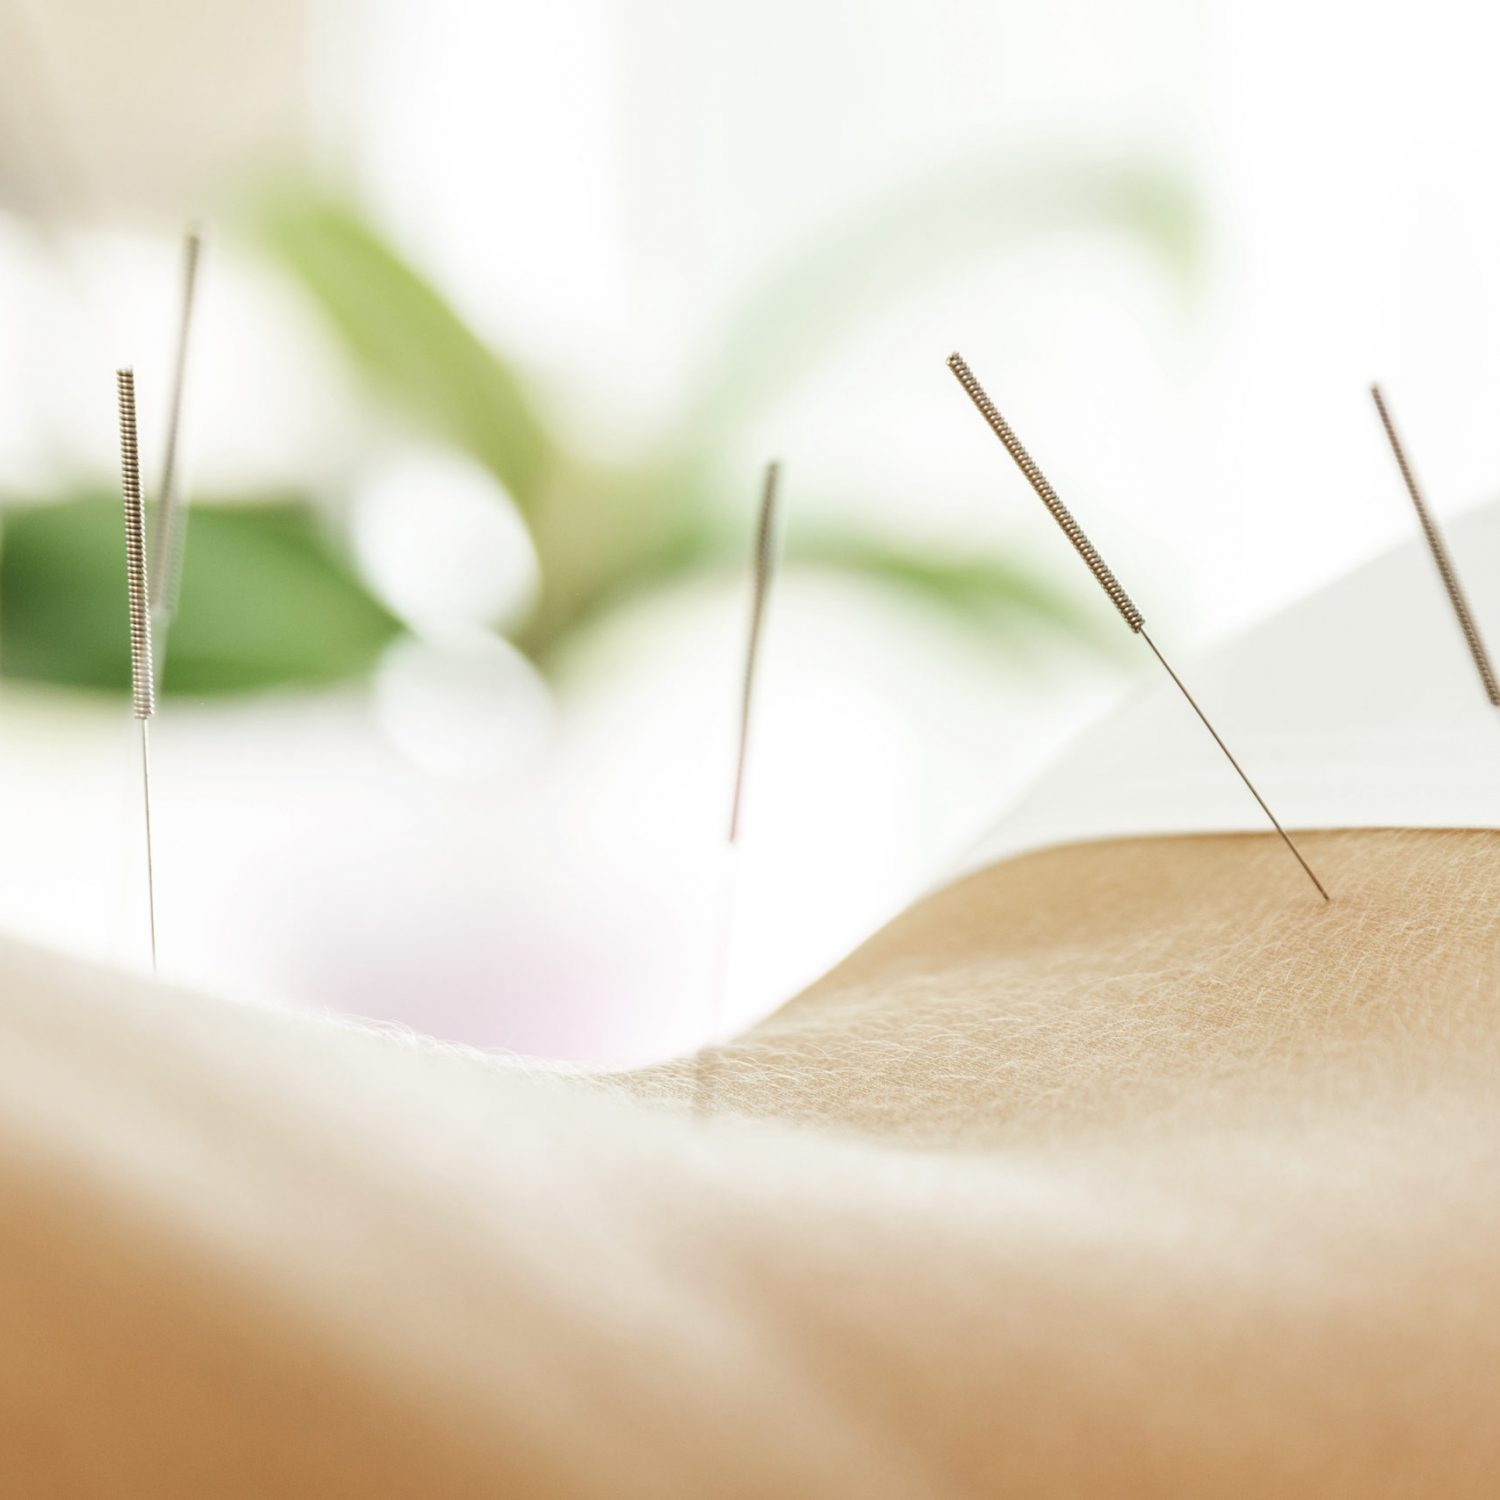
(1096, 992)
(1118, 1169)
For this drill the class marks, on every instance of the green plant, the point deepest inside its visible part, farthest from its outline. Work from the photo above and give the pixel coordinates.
(267, 600)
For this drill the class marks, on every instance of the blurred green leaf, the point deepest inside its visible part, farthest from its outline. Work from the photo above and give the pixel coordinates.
(602, 538)
(266, 601)
(605, 535)
(819, 292)
(990, 594)
(406, 339)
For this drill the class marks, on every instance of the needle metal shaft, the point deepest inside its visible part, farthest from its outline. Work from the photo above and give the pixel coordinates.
(1439, 550)
(763, 568)
(1107, 580)
(169, 523)
(142, 679)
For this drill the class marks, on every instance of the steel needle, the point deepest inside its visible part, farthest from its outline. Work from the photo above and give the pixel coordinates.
(763, 569)
(169, 523)
(1439, 550)
(1107, 580)
(142, 680)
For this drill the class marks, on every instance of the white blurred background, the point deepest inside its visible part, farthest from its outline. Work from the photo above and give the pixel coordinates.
(597, 188)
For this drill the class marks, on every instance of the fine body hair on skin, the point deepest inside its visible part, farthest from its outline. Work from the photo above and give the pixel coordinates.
(1097, 989)
(1118, 1169)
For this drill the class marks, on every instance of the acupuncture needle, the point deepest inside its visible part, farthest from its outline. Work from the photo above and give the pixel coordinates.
(763, 566)
(1439, 550)
(169, 522)
(1107, 580)
(763, 569)
(142, 681)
